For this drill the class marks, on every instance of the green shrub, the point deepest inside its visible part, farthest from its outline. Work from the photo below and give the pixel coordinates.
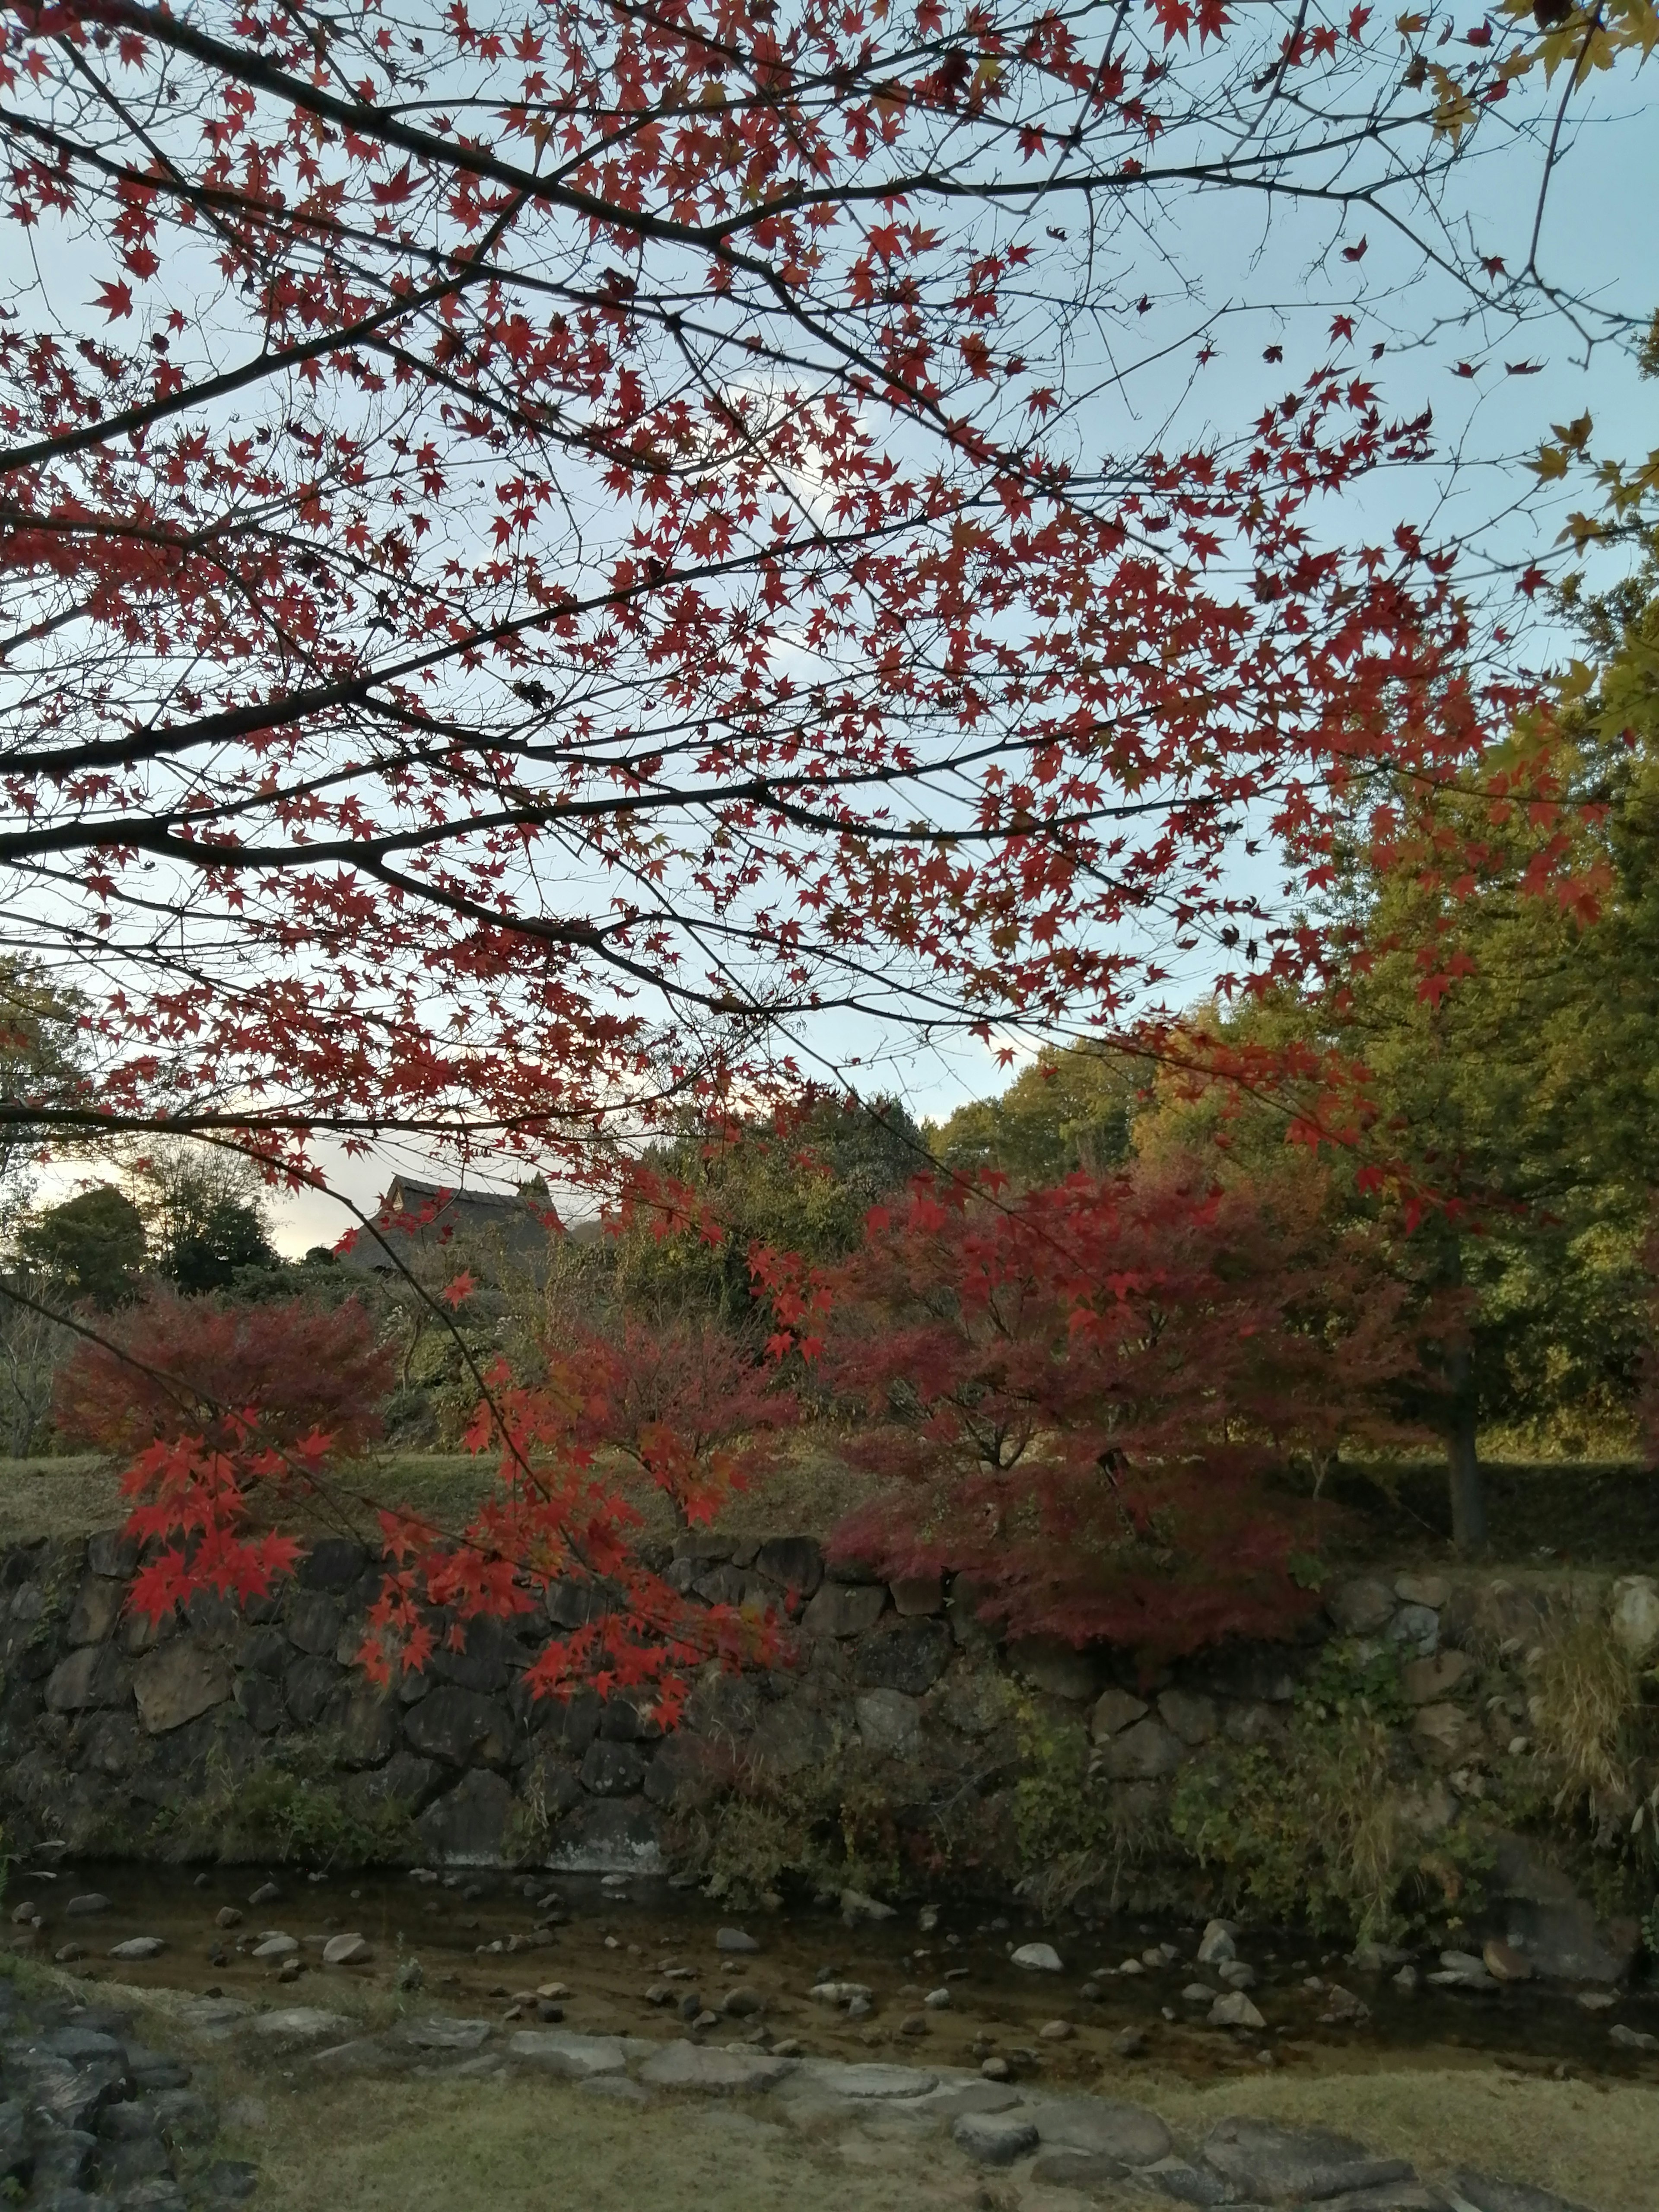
(1318, 1828)
(289, 1807)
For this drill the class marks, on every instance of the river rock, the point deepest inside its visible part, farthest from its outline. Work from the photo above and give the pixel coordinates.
(1504, 1962)
(1631, 2038)
(995, 2138)
(1127, 2133)
(1235, 2010)
(275, 1945)
(839, 1993)
(1038, 1959)
(138, 1947)
(177, 1682)
(1215, 1945)
(566, 2056)
(1461, 1970)
(855, 1906)
(1273, 2164)
(1633, 1615)
(347, 1950)
(724, 2073)
(93, 1901)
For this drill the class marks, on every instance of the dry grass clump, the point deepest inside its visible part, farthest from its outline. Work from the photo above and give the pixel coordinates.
(1585, 1704)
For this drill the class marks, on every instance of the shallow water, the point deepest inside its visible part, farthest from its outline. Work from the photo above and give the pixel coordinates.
(487, 1941)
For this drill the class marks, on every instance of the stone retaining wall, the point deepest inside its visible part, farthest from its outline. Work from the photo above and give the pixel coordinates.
(109, 1726)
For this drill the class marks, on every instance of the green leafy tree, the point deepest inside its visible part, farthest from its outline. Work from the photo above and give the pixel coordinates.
(1069, 1111)
(1488, 1057)
(92, 1247)
(804, 1190)
(206, 1216)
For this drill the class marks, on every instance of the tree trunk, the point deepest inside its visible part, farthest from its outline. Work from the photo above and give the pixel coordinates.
(1469, 1501)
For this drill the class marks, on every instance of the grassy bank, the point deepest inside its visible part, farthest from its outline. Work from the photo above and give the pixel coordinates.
(1547, 1513)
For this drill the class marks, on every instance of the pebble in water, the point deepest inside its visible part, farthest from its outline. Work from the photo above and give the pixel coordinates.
(1038, 1959)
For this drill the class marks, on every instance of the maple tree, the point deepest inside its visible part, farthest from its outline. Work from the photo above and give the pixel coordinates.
(689, 1402)
(226, 1412)
(575, 543)
(1082, 1391)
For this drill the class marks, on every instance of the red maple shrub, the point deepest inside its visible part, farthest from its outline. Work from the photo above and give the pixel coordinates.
(171, 1367)
(688, 1401)
(1083, 1393)
(218, 1405)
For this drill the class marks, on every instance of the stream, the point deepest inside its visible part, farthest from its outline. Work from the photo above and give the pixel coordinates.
(613, 1953)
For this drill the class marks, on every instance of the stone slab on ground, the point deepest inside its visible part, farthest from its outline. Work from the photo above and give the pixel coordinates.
(295, 2024)
(721, 2071)
(1187, 2184)
(1486, 2192)
(363, 2054)
(1274, 2165)
(849, 2078)
(1087, 2170)
(214, 2017)
(566, 2056)
(441, 2033)
(1393, 2197)
(952, 2099)
(995, 2138)
(1127, 2133)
